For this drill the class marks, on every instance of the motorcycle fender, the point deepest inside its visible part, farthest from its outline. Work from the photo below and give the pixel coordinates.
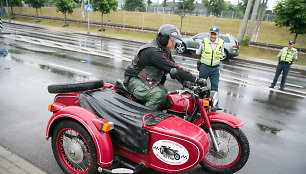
(223, 118)
(87, 119)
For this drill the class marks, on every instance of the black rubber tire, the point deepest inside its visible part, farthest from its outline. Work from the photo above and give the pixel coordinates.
(182, 46)
(73, 125)
(225, 56)
(244, 145)
(75, 87)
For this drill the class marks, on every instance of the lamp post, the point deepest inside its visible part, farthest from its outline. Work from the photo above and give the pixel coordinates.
(8, 12)
(88, 15)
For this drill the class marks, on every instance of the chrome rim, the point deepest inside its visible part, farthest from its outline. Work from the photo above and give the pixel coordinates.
(73, 151)
(180, 48)
(229, 150)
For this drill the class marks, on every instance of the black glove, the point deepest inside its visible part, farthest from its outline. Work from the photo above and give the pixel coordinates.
(201, 82)
(198, 65)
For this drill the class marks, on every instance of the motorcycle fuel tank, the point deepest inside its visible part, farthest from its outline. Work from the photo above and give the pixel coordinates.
(181, 102)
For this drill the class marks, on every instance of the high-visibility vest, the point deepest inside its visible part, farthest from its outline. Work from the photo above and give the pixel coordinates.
(209, 57)
(287, 56)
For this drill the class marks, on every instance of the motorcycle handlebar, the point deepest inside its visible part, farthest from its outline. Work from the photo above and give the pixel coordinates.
(195, 87)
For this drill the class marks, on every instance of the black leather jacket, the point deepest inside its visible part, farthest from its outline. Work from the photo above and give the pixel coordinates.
(152, 63)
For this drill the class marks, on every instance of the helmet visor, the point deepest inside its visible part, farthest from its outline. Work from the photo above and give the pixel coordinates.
(176, 37)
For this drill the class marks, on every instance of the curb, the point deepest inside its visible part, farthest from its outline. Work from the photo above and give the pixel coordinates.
(13, 164)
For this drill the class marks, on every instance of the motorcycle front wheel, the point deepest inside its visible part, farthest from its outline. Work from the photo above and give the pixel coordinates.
(233, 152)
(73, 148)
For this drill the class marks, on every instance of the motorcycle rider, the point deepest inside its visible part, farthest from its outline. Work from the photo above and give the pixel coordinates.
(146, 75)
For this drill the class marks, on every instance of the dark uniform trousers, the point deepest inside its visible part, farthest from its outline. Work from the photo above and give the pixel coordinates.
(213, 72)
(282, 66)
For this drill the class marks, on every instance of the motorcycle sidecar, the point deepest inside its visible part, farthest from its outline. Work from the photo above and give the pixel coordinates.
(148, 137)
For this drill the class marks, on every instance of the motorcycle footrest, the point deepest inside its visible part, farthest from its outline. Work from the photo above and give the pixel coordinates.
(120, 166)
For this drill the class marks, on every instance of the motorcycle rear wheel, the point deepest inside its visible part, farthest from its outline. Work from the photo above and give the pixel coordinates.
(73, 148)
(234, 150)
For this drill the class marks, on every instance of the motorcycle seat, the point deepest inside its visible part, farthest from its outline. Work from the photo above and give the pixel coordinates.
(119, 86)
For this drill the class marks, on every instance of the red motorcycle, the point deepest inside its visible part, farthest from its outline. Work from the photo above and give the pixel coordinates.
(92, 120)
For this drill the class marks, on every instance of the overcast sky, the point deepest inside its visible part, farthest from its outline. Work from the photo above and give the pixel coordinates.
(271, 3)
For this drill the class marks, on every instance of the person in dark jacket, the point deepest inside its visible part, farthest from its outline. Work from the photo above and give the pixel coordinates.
(146, 75)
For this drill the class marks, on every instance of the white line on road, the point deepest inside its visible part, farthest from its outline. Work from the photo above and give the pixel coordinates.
(71, 69)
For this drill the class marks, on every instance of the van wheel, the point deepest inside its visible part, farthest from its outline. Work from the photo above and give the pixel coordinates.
(225, 56)
(180, 48)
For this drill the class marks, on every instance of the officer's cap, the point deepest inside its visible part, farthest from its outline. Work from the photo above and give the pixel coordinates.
(291, 42)
(214, 30)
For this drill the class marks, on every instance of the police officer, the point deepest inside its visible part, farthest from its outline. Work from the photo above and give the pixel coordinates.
(146, 74)
(209, 52)
(286, 57)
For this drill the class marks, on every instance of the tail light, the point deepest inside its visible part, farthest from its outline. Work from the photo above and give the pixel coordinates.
(235, 46)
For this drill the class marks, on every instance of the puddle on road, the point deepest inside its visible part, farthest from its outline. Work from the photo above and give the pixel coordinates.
(269, 129)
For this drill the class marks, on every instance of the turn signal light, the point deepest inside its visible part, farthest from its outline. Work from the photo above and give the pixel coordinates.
(205, 103)
(50, 107)
(107, 126)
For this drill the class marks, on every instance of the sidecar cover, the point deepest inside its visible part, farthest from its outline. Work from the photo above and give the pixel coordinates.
(126, 116)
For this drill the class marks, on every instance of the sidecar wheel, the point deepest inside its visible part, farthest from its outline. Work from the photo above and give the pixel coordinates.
(74, 149)
(234, 150)
(75, 87)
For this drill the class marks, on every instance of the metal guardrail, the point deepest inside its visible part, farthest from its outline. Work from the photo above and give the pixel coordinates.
(274, 46)
(149, 29)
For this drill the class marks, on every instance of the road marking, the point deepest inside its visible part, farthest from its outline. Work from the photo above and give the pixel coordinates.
(71, 69)
(254, 84)
(260, 79)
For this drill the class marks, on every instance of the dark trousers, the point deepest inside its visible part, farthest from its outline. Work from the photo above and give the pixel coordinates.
(211, 72)
(281, 67)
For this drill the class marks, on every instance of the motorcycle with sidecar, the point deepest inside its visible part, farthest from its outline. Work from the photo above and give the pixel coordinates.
(93, 122)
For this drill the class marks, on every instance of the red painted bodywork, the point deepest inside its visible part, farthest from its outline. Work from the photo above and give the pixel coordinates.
(186, 134)
(221, 117)
(88, 120)
(178, 103)
(174, 130)
(193, 138)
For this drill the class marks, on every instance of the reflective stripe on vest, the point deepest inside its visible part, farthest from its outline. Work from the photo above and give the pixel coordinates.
(287, 56)
(209, 57)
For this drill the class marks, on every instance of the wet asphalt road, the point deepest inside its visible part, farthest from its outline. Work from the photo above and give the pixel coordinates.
(274, 120)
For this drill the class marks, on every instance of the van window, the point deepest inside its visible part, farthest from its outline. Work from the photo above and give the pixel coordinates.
(226, 39)
(201, 36)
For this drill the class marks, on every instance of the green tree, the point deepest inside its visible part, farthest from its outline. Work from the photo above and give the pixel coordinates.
(12, 3)
(36, 4)
(65, 6)
(230, 7)
(134, 5)
(149, 2)
(242, 5)
(104, 7)
(214, 6)
(292, 14)
(183, 7)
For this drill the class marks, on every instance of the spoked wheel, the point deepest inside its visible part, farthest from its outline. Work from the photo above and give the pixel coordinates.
(233, 152)
(74, 149)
